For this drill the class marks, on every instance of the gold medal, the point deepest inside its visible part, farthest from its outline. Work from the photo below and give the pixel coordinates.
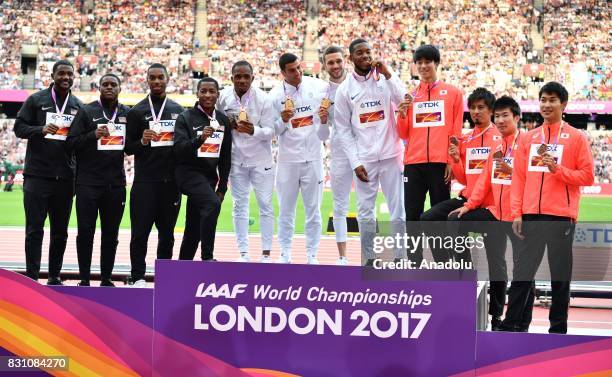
(242, 116)
(453, 140)
(542, 149)
(289, 105)
(325, 103)
(498, 154)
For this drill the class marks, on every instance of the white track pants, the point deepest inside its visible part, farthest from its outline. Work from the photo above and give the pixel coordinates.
(307, 178)
(261, 178)
(389, 175)
(341, 176)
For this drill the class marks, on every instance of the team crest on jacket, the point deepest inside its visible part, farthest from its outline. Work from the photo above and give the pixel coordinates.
(443, 92)
(564, 135)
(73, 111)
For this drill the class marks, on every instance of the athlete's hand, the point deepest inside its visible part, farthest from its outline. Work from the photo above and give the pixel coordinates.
(147, 136)
(207, 132)
(549, 162)
(453, 152)
(246, 127)
(50, 129)
(361, 173)
(459, 211)
(517, 227)
(448, 174)
(233, 122)
(503, 167)
(221, 196)
(286, 115)
(323, 115)
(404, 105)
(381, 67)
(102, 132)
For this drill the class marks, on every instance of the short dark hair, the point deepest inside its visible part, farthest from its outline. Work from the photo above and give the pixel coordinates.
(507, 102)
(110, 75)
(286, 58)
(242, 63)
(427, 52)
(554, 87)
(354, 43)
(61, 62)
(208, 79)
(158, 65)
(482, 94)
(331, 50)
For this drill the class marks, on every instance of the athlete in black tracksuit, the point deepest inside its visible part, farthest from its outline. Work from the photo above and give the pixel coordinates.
(100, 177)
(197, 177)
(49, 171)
(154, 197)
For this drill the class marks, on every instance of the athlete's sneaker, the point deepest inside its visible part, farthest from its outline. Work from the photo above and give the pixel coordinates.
(312, 260)
(284, 259)
(342, 261)
(141, 283)
(265, 259)
(244, 258)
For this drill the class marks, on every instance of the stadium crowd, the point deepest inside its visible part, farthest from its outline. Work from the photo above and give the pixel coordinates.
(127, 36)
(264, 30)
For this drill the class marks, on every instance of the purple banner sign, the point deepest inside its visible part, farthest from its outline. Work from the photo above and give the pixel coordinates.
(314, 321)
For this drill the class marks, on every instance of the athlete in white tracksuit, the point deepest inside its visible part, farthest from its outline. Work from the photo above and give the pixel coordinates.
(300, 162)
(252, 163)
(341, 173)
(364, 117)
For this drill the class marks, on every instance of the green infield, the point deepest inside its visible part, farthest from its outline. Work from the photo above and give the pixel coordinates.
(12, 214)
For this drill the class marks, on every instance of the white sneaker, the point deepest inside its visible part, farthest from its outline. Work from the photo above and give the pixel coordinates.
(243, 258)
(284, 259)
(265, 259)
(139, 284)
(342, 261)
(312, 260)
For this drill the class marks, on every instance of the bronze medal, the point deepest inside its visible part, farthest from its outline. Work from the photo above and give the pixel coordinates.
(453, 140)
(498, 154)
(242, 116)
(289, 105)
(542, 149)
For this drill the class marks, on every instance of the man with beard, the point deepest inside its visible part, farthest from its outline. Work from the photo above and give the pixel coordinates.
(44, 120)
(365, 119)
(340, 171)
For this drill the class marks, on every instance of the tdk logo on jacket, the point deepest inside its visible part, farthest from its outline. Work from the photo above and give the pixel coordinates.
(368, 104)
(422, 105)
(303, 109)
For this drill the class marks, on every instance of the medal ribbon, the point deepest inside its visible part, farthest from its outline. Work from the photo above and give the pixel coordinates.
(112, 120)
(157, 118)
(57, 109)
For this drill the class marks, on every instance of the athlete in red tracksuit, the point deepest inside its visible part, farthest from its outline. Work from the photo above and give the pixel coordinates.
(494, 218)
(435, 115)
(551, 164)
(468, 155)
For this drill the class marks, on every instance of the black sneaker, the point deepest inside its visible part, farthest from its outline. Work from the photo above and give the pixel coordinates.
(496, 324)
(84, 283)
(54, 281)
(106, 283)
